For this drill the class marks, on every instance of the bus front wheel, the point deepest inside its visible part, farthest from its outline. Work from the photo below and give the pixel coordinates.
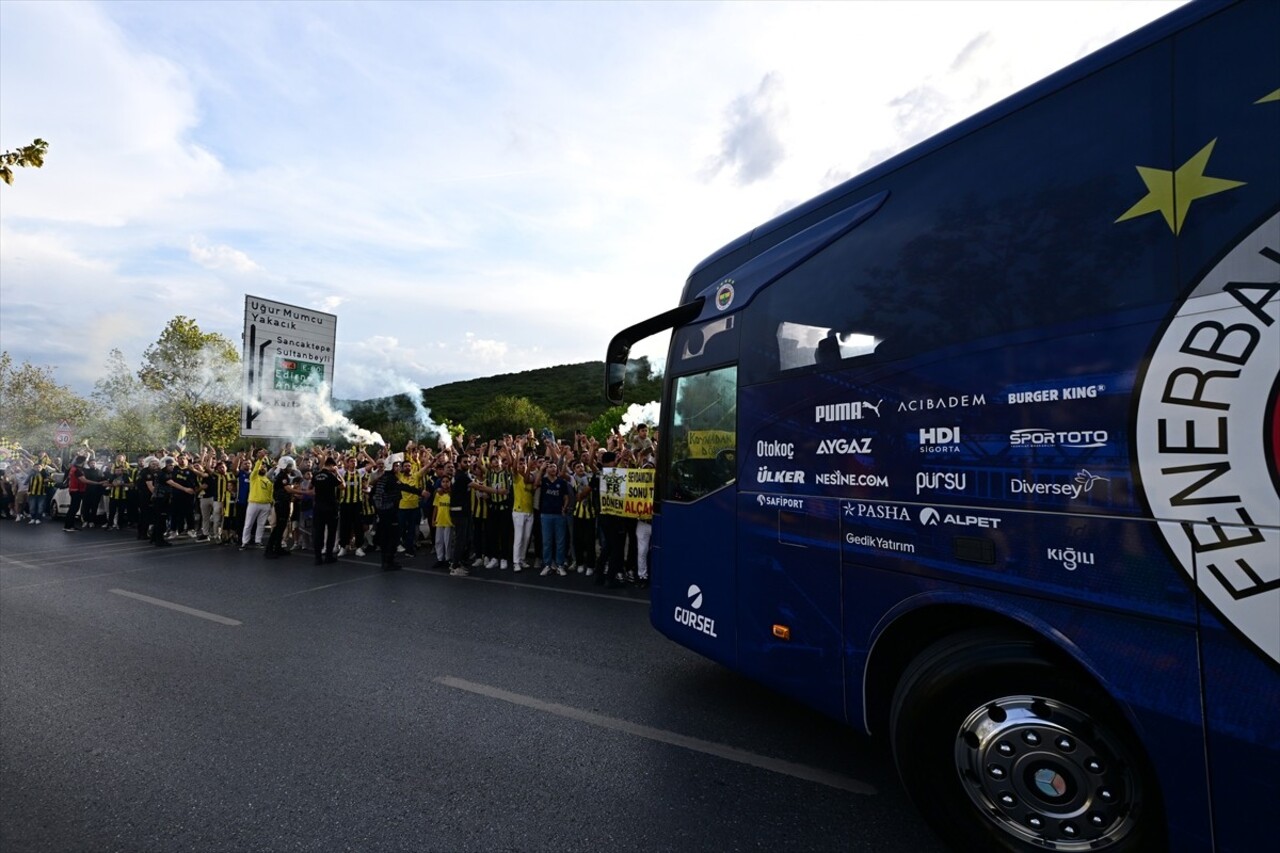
(1001, 749)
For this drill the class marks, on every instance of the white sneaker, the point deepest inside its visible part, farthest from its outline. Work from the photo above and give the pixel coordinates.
(359, 552)
(191, 534)
(580, 570)
(491, 563)
(33, 521)
(399, 549)
(560, 571)
(517, 567)
(477, 563)
(459, 572)
(502, 565)
(546, 570)
(342, 552)
(589, 572)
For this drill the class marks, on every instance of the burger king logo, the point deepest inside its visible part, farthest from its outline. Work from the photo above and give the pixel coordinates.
(1208, 436)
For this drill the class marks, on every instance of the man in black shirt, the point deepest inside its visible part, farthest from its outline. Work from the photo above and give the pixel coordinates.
(326, 486)
(282, 493)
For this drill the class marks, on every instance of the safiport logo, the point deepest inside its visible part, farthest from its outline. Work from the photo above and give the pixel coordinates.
(687, 617)
(785, 503)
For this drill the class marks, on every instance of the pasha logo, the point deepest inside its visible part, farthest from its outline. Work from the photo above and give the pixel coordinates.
(1208, 424)
(688, 616)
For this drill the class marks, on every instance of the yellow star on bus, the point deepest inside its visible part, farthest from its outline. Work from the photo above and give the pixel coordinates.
(1171, 193)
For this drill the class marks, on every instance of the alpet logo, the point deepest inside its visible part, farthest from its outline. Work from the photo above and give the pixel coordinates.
(696, 621)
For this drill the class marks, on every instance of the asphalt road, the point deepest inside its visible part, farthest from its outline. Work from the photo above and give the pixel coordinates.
(197, 698)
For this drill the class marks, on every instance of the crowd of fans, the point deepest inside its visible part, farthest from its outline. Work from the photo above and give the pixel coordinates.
(518, 503)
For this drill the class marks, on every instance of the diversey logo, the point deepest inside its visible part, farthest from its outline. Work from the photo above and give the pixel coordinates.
(1084, 483)
(696, 621)
(930, 517)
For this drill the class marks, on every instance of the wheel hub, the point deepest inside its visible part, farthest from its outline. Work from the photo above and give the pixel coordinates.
(1044, 772)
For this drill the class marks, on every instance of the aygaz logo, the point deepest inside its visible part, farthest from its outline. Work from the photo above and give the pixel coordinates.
(1208, 436)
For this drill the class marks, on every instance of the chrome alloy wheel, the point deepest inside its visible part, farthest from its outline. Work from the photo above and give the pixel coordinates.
(1044, 772)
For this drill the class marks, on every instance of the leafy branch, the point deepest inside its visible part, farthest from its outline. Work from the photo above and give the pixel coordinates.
(31, 156)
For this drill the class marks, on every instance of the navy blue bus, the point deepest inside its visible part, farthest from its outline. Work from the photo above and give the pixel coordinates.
(978, 452)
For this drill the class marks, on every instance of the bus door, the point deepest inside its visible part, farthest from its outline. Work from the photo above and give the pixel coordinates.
(694, 554)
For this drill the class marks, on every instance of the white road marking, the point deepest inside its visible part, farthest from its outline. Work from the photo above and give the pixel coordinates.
(526, 585)
(775, 765)
(181, 608)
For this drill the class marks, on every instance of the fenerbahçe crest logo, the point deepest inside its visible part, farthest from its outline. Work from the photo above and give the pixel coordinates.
(1208, 436)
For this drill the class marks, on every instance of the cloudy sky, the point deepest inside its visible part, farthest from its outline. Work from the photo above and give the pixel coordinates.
(472, 188)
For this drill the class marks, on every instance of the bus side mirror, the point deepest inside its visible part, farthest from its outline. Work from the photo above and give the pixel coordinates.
(615, 377)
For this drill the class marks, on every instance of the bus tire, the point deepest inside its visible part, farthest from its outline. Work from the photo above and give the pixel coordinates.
(1001, 749)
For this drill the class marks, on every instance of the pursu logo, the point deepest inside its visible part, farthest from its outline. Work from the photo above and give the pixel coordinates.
(693, 620)
(940, 481)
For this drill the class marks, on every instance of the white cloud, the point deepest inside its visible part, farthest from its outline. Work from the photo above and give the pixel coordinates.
(221, 258)
(472, 189)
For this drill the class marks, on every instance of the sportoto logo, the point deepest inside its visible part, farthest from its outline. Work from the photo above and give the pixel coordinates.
(695, 597)
(1208, 436)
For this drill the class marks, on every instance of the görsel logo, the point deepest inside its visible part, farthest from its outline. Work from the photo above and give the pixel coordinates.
(929, 516)
(695, 596)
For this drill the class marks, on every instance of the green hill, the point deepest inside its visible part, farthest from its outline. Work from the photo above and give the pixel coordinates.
(572, 395)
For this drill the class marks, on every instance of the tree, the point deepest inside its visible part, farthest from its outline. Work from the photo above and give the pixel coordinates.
(127, 416)
(196, 376)
(32, 403)
(27, 156)
(602, 426)
(504, 415)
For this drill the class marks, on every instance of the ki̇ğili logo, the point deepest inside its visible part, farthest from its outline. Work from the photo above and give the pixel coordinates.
(1208, 423)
